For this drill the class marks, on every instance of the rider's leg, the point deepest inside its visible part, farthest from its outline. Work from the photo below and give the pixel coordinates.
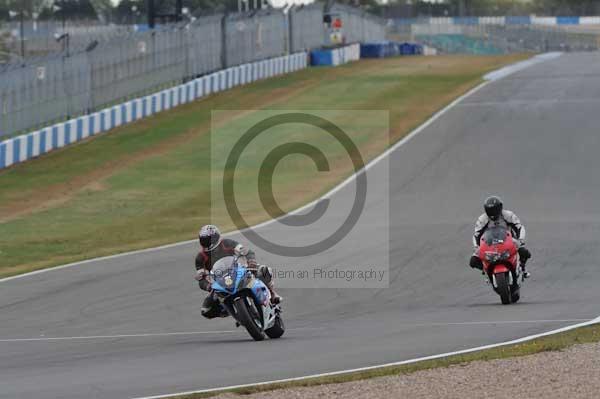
(210, 307)
(265, 274)
(524, 256)
(476, 263)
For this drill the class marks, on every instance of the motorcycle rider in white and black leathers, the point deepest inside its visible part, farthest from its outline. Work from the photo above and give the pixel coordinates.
(495, 215)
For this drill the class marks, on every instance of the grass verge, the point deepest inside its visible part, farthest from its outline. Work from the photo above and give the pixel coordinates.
(557, 342)
(149, 183)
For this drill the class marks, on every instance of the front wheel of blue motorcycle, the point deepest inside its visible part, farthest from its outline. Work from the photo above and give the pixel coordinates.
(248, 317)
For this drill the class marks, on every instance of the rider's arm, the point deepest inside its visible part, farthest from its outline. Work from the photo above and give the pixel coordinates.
(515, 224)
(202, 274)
(480, 226)
(241, 250)
(203, 280)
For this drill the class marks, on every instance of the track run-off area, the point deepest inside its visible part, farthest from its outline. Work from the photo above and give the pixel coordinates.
(130, 326)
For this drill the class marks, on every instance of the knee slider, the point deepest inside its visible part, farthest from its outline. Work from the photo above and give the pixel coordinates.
(476, 263)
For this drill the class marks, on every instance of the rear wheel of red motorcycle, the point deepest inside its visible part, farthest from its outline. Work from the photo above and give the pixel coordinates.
(503, 287)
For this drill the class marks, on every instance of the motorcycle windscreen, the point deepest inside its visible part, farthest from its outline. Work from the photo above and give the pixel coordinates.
(495, 235)
(225, 273)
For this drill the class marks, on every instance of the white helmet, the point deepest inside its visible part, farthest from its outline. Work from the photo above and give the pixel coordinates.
(209, 237)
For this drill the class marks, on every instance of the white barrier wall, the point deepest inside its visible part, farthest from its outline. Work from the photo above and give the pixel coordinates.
(548, 21)
(589, 21)
(508, 20)
(31, 145)
(343, 55)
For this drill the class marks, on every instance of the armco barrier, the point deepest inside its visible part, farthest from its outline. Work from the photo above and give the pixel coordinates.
(31, 145)
(508, 20)
(334, 57)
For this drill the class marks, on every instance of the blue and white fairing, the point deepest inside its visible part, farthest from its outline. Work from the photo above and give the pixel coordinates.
(227, 275)
(231, 277)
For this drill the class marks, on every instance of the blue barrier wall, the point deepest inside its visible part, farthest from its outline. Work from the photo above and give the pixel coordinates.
(389, 49)
(567, 20)
(334, 57)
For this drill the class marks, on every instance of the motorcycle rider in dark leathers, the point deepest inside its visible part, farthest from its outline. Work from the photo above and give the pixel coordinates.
(212, 248)
(495, 215)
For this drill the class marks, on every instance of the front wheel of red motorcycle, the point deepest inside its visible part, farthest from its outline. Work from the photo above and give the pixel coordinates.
(503, 288)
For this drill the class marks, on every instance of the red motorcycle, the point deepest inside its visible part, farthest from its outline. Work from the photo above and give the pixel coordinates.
(500, 258)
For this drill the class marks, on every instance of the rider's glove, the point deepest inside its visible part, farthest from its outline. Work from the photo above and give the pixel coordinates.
(201, 274)
(203, 281)
(521, 243)
(240, 250)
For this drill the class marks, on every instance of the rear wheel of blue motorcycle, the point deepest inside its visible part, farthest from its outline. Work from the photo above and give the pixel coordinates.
(277, 330)
(244, 314)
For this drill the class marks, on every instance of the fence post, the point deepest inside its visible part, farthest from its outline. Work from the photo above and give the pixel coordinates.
(290, 21)
(224, 41)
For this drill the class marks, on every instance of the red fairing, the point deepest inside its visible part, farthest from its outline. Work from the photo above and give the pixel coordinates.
(498, 256)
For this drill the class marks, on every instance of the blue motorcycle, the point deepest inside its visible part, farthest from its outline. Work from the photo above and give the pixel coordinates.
(246, 299)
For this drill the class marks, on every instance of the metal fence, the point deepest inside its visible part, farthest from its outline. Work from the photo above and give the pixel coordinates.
(359, 26)
(497, 39)
(55, 88)
(40, 36)
(306, 28)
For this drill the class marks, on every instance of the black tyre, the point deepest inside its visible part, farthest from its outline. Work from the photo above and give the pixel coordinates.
(277, 330)
(248, 319)
(503, 288)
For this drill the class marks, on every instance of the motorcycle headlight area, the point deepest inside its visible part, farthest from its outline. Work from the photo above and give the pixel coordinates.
(492, 256)
(496, 256)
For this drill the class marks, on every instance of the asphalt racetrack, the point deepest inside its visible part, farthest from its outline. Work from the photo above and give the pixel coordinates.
(131, 326)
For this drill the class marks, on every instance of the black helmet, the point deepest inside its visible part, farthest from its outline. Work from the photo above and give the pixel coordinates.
(210, 237)
(493, 207)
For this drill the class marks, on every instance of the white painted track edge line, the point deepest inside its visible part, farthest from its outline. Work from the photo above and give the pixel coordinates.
(400, 363)
(334, 190)
(184, 333)
(519, 66)
(138, 335)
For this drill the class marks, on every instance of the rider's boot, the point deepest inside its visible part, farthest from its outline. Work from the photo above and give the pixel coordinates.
(275, 297)
(526, 274)
(265, 274)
